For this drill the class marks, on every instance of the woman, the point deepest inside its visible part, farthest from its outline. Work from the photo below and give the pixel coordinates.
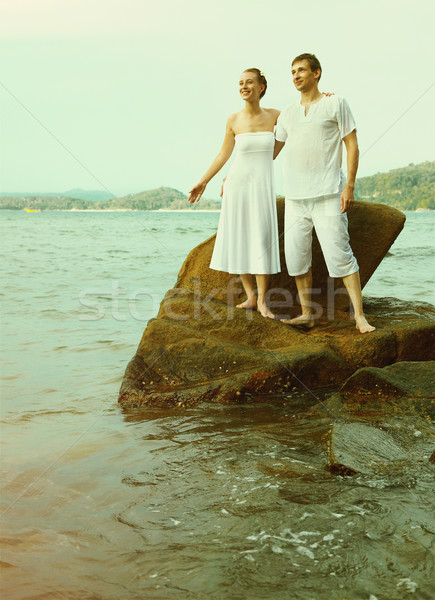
(247, 237)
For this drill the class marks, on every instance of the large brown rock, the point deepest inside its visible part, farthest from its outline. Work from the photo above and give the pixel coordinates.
(200, 347)
(402, 388)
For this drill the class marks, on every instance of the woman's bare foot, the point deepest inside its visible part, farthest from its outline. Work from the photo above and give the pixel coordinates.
(264, 310)
(249, 303)
(363, 325)
(306, 321)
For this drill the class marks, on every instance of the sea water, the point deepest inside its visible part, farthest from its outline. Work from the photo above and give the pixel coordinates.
(212, 502)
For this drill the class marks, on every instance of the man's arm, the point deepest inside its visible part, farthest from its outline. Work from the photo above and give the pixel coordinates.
(347, 196)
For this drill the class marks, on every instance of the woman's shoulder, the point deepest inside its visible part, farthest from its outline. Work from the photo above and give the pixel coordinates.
(232, 119)
(235, 115)
(273, 111)
(273, 114)
(231, 122)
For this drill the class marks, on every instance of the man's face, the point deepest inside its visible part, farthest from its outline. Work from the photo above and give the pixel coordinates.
(303, 77)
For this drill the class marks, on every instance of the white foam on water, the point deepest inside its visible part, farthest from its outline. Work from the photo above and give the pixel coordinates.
(406, 583)
(305, 552)
(305, 515)
(261, 535)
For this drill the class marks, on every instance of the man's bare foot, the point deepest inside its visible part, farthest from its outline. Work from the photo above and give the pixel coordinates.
(264, 310)
(249, 303)
(306, 321)
(363, 325)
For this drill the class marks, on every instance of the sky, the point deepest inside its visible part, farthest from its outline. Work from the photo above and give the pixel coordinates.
(130, 95)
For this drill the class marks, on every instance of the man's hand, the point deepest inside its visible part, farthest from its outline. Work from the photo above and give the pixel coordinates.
(347, 199)
(196, 192)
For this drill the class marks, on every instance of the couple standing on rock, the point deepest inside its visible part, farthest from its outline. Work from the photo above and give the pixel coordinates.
(311, 132)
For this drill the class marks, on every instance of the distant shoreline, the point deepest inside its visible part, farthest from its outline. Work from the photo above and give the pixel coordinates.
(161, 210)
(190, 210)
(107, 210)
(158, 210)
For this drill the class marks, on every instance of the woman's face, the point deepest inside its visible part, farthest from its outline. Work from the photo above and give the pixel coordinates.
(249, 86)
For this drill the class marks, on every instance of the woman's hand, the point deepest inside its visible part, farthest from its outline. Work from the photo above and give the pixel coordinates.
(196, 192)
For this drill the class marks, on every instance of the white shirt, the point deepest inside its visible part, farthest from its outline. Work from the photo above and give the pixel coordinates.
(312, 153)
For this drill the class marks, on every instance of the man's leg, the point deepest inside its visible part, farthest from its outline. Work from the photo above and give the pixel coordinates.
(262, 287)
(353, 286)
(332, 231)
(248, 283)
(298, 227)
(304, 283)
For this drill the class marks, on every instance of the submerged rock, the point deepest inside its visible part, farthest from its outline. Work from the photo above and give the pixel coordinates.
(201, 348)
(361, 448)
(386, 415)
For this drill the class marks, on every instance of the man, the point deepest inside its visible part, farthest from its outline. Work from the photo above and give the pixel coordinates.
(312, 131)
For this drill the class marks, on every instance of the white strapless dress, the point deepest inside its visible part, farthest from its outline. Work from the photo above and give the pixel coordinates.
(247, 236)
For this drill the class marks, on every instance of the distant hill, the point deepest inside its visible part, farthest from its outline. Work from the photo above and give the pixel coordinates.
(93, 195)
(51, 202)
(161, 198)
(407, 188)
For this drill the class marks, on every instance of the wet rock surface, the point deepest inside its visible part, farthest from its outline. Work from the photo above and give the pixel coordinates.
(405, 388)
(361, 448)
(185, 361)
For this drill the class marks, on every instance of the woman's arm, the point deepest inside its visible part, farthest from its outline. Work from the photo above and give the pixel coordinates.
(277, 149)
(278, 145)
(224, 154)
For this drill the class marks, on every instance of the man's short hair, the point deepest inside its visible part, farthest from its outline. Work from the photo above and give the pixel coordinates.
(312, 60)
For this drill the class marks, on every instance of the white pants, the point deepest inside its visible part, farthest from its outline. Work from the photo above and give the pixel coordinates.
(331, 228)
